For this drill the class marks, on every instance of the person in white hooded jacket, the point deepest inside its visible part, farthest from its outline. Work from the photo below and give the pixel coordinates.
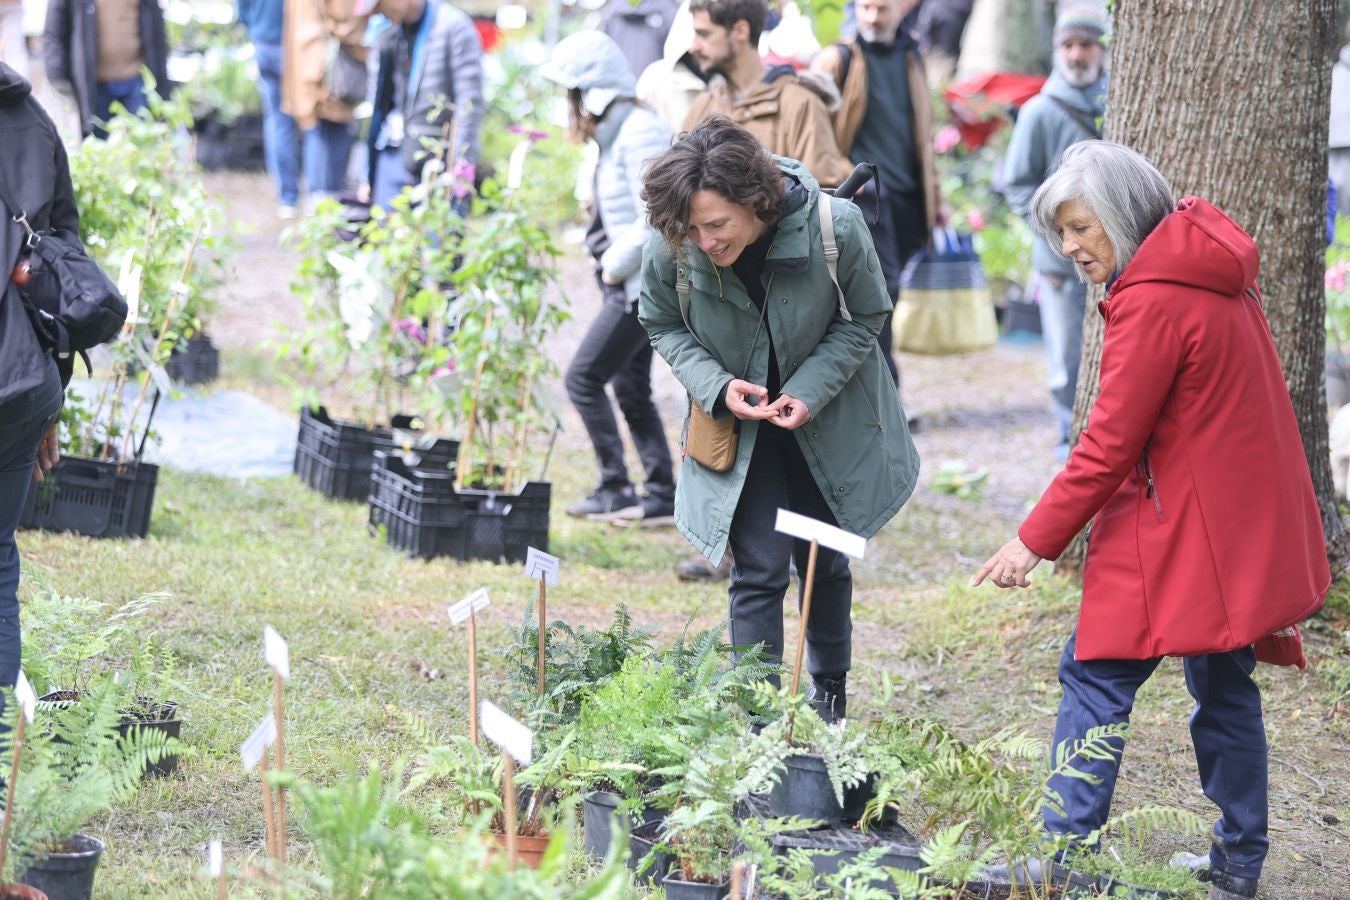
(669, 86)
(616, 350)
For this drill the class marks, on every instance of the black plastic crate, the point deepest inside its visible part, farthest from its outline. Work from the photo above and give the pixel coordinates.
(334, 457)
(93, 497)
(425, 516)
(196, 362)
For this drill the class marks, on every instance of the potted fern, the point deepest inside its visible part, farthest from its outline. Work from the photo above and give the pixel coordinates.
(822, 761)
(74, 768)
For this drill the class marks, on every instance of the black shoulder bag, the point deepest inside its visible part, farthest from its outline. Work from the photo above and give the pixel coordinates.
(71, 302)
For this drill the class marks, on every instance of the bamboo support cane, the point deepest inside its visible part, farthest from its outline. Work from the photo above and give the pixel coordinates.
(279, 702)
(473, 677)
(543, 632)
(801, 630)
(509, 806)
(466, 448)
(737, 881)
(9, 792)
(268, 815)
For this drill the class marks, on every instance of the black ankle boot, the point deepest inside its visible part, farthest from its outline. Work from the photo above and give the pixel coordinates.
(828, 697)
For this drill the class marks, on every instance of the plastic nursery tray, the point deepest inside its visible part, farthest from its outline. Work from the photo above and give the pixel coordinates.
(93, 497)
(334, 457)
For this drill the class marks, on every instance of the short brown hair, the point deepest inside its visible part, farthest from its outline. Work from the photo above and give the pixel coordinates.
(718, 155)
(726, 13)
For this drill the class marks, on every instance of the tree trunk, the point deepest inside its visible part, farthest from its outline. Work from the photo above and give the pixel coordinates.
(1231, 102)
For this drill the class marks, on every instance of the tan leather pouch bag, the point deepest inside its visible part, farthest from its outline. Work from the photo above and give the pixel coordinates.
(712, 442)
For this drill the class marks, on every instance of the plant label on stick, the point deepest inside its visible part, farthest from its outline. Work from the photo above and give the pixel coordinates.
(474, 603)
(275, 651)
(262, 737)
(808, 529)
(539, 564)
(508, 734)
(26, 697)
(215, 859)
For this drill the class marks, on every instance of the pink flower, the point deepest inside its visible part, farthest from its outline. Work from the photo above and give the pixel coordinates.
(447, 369)
(946, 139)
(975, 219)
(463, 174)
(534, 134)
(412, 328)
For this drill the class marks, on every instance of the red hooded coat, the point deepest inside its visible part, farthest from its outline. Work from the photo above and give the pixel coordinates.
(1207, 534)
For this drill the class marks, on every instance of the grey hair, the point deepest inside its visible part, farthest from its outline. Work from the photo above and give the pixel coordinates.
(1126, 193)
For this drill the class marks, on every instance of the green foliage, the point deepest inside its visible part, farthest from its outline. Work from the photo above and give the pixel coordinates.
(1337, 291)
(1122, 870)
(953, 478)
(223, 88)
(146, 219)
(69, 641)
(839, 746)
(792, 876)
(75, 765)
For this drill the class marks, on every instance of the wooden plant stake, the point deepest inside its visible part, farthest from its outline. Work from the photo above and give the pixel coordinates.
(817, 532)
(466, 611)
(278, 656)
(737, 881)
(27, 700)
(215, 864)
(543, 566)
(517, 746)
(466, 448)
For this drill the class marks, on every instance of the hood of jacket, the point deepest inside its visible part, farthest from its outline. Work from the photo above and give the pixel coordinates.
(1090, 99)
(1195, 246)
(591, 62)
(769, 87)
(14, 88)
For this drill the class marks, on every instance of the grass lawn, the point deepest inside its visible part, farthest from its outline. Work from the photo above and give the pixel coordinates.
(370, 642)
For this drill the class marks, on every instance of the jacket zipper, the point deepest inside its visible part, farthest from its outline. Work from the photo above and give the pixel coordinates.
(1152, 492)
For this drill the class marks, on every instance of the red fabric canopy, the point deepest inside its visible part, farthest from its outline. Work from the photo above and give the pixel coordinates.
(978, 103)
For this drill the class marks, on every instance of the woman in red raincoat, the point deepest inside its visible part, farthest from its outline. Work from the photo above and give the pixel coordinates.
(1205, 535)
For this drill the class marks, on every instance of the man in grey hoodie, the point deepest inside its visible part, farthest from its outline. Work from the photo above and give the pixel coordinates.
(1067, 110)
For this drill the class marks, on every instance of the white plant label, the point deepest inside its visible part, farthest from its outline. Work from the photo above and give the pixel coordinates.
(215, 859)
(539, 564)
(264, 736)
(508, 734)
(27, 697)
(474, 603)
(808, 529)
(275, 651)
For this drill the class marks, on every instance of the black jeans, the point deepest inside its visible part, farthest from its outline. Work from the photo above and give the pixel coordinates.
(898, 232)
(616, 350)
(779, 477)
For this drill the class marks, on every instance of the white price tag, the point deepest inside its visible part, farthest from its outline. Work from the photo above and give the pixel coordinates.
(215, 859)
(264, 736)
(808, 529)
(475, 602)
(539, 564)
(26, 696)
(508, 734)
(275, 651)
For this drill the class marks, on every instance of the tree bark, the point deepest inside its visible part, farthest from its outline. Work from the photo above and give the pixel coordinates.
(1230, 100)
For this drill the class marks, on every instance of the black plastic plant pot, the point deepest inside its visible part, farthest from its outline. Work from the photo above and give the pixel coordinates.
(641, 844)
(69, 874)
(334, 457)
(151, 716)
(196, 362)
(602, 820)
(805, 791)
(856, 799)
(426, 516)
(93, 497)
(694, 890)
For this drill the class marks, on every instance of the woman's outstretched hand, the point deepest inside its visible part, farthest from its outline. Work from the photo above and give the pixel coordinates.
(1009, 566)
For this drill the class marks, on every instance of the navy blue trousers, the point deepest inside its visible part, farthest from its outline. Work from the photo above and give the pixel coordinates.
(1226, 729)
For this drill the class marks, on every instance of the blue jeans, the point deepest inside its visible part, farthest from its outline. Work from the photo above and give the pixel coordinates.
(391, 176)
(327, 147)
(1062, 298)
(281, 137)
(1226, 729)
(130, 93)
(23, 420)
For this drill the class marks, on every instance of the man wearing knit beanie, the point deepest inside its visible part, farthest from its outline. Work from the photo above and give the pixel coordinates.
(1068, 109)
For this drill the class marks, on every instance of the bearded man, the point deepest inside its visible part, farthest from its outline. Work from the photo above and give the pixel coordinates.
(1068, 109)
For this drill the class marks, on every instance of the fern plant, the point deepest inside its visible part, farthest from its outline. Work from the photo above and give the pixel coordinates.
(70, 640)
(75, 765)
(839, 746)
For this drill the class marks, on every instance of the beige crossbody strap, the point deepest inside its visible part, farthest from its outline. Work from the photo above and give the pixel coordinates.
(831, 250)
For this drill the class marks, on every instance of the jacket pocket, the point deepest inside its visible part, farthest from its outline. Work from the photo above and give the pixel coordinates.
(1151, 487)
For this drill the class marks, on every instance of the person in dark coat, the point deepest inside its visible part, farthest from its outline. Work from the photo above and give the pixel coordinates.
(35, 173)
(95, 50)
(640, 29)
(1206, 538)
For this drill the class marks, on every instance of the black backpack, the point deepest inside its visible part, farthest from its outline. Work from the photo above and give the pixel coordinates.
(71, 302)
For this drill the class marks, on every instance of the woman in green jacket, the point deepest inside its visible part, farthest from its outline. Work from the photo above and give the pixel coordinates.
(739, 300)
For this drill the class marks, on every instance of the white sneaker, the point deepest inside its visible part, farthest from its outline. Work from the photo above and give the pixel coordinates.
(286, 212)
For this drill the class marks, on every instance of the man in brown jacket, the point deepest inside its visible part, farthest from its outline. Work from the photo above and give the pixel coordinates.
(787, 113)
(328, 123)
(886, 118)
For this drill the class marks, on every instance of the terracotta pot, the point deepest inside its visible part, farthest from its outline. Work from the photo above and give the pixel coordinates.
(21, 892)
(529, 850)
